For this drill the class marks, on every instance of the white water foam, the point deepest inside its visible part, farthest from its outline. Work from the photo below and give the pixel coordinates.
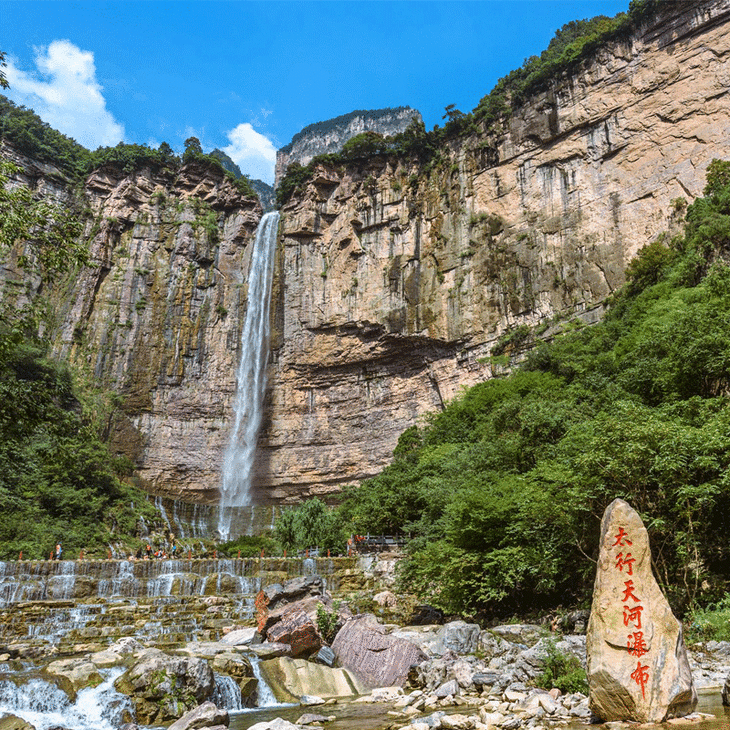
(44, 705)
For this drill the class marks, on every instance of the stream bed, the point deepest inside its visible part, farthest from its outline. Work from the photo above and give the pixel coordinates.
(374, 716)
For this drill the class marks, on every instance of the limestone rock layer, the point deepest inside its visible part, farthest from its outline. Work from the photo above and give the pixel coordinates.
(395, 285)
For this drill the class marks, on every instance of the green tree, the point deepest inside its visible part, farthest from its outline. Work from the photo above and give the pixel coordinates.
(193, 149)
(4, 84)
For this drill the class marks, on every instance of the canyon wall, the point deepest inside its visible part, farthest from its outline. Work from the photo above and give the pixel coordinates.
(158, 315)
(395, 286)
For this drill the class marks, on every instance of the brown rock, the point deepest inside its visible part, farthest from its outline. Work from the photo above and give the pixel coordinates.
(13, 722)
(297, 628)
(206, 715)
(376, 658)
(277, 596)
(636, 659)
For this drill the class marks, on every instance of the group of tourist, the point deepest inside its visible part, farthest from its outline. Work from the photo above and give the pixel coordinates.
(160, 553)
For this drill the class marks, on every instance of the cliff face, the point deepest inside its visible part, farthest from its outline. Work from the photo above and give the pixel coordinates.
(393, 290)
(392, 285)
(327, 137)
(158, 317)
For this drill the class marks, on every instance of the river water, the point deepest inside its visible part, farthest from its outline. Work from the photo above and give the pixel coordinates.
(368, 716)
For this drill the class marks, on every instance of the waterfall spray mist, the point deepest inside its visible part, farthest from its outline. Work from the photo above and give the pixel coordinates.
(251, 378)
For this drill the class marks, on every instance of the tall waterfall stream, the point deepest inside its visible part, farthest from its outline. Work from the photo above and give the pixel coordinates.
(251, 377)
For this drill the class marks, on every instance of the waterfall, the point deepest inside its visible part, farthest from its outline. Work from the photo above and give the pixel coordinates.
(264, 694)
(45, 706)
(227, 694)
(250, 378)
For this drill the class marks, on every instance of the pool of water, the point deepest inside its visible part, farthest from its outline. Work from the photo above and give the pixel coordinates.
(367, 716)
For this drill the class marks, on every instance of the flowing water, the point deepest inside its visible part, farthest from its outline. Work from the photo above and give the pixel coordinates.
(44, 705)
(251, 377)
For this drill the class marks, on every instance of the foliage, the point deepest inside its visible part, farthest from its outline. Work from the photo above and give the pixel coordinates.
(295, 178)
(711, 623)
(250, 546)
(3, 78)
(42, 240)
(561, 670)
(29, 134)
(310, 525)
(57, 479)
(132, 157)
(327, 621)
(502, 492)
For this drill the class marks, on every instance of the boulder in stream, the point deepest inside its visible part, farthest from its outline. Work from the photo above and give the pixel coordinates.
(636, 658)
(291, 679)
(376, 658)
(206, 715)
(298, 628)
(73, 674)
(165, 687)
(13, 722)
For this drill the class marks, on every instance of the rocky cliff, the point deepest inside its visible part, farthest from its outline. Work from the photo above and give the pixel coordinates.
(394, 285)
(158, 315)
(329, 136)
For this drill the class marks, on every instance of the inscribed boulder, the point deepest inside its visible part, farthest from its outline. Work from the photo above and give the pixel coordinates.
(636, 658)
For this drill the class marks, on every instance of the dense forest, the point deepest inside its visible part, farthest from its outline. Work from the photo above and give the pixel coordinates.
(501, 494)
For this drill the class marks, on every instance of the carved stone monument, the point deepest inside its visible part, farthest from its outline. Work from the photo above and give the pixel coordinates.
(636, 659)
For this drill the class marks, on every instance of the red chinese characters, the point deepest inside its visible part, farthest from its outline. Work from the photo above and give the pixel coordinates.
(632, 609)
(640, 675)
(639, 647)
(625, 561)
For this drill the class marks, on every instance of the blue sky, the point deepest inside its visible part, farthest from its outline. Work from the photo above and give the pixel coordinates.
(246, 76)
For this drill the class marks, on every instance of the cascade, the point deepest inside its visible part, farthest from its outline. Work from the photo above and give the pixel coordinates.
(45, 706)
(227, 694)
(250, 378)
(264, 694)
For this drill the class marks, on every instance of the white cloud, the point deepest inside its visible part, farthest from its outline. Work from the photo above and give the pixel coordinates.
(254, 153)
(65, 93)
